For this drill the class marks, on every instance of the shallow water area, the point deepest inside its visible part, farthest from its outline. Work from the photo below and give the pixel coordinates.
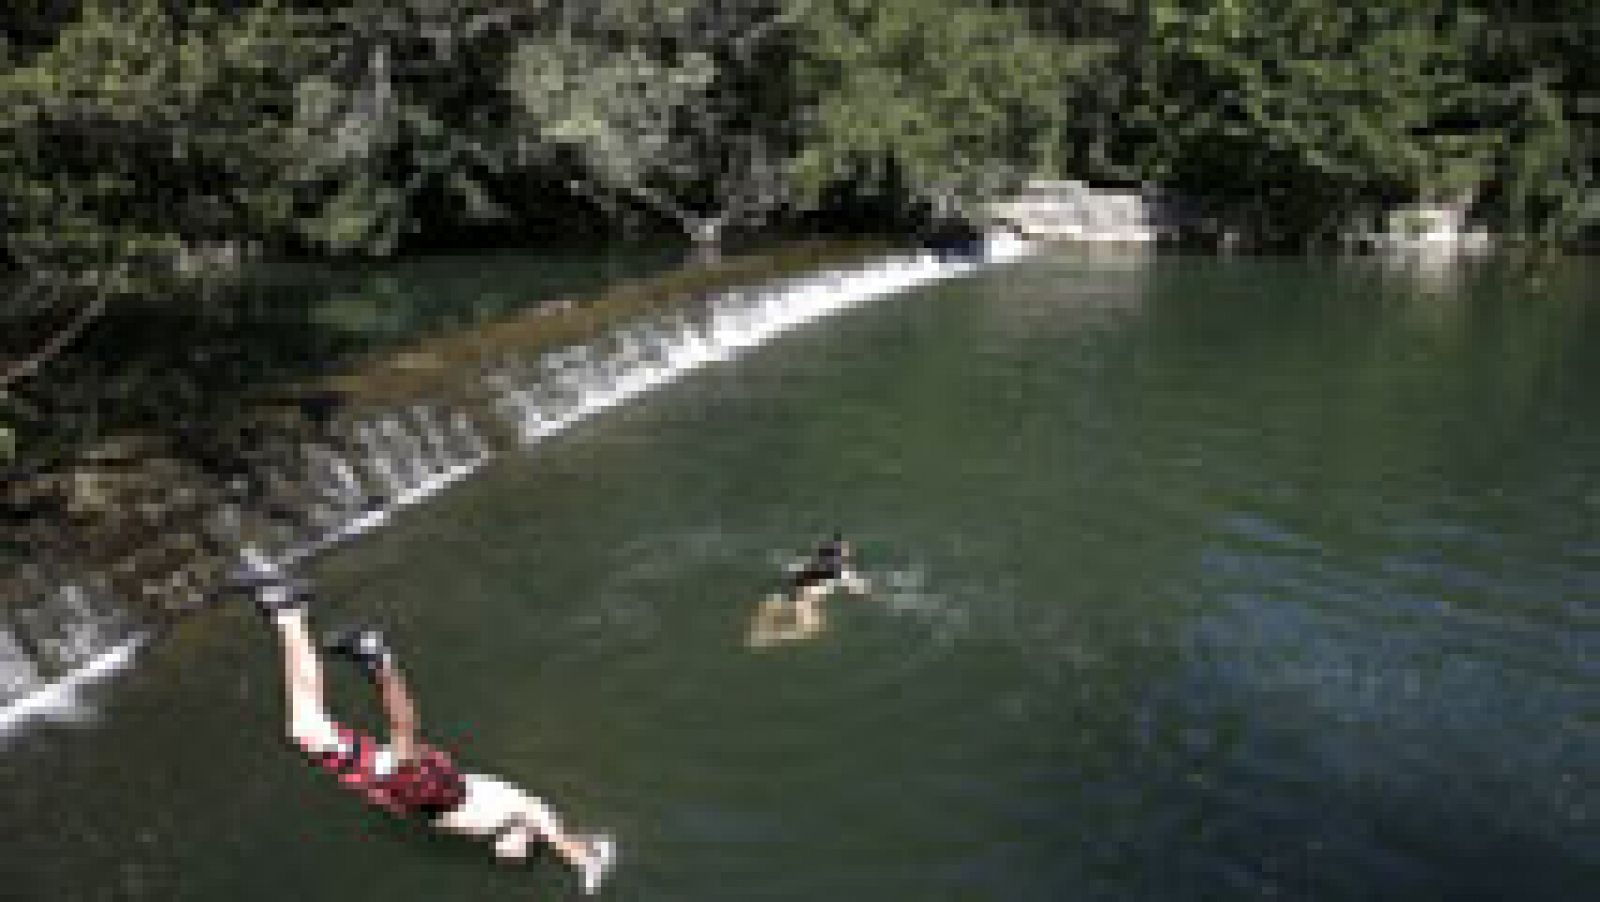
(1192, 578)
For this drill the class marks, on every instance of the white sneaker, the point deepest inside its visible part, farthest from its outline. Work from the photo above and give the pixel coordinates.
(602, 856)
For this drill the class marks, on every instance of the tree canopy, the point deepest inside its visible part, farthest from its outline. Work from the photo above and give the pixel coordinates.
(133, 133)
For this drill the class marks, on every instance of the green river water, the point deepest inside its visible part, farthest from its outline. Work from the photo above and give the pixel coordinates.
(1194, 578)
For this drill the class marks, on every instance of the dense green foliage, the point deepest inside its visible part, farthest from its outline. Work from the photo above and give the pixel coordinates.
(145, 133)
(1298, 113)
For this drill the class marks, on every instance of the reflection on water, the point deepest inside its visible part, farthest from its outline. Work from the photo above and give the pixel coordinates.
(192, 362)
(425, 295)
(1109, 289)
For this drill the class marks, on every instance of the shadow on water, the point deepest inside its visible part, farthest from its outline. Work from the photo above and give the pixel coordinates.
(193, 358)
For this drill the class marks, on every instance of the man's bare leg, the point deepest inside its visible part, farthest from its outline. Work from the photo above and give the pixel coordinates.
(541, 823)
(498, 810)
(302, 672)
(279, 598)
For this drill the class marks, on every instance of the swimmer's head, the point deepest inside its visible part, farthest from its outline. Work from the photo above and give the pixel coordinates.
(836, 545)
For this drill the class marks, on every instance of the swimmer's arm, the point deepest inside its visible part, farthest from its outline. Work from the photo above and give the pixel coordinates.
(401, 711)
(854, 582)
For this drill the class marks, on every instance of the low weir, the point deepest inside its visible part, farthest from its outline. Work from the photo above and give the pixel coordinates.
(70, 631)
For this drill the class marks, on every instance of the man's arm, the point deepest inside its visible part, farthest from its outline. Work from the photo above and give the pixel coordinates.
(401, 711)
(854, 582)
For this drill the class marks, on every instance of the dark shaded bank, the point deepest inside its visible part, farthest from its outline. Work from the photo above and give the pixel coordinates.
(170, 410)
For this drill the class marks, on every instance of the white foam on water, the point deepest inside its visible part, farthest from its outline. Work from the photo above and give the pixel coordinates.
(737, 321)
(417, 493)
(906, 591)
(61, 700)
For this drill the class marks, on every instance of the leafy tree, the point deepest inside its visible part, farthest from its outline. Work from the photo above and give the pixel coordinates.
(660, 103)
(394, 101)
(133, 138)
(137, 133)
(134, 133)
(1291, 115)
(1542, 77)
(1115, 122)
(958, 103)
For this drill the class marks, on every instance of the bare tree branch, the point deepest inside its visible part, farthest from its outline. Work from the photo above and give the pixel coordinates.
(744, 45)
(58, 343)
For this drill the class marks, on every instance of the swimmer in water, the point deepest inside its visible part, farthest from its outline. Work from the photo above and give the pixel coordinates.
(796, 613)
(405, 776)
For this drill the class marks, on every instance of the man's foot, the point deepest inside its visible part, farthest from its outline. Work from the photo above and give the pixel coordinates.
(254, 570)
(364, 645)
(272, 590)
(285, 595)
(602, 855)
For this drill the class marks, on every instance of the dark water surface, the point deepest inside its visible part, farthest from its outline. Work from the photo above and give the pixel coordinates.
(155, 365)
(1194, 579)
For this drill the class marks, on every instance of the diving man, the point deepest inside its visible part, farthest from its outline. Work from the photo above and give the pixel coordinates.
(404, 776)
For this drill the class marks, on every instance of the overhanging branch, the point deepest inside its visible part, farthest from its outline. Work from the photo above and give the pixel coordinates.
(58, 343)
